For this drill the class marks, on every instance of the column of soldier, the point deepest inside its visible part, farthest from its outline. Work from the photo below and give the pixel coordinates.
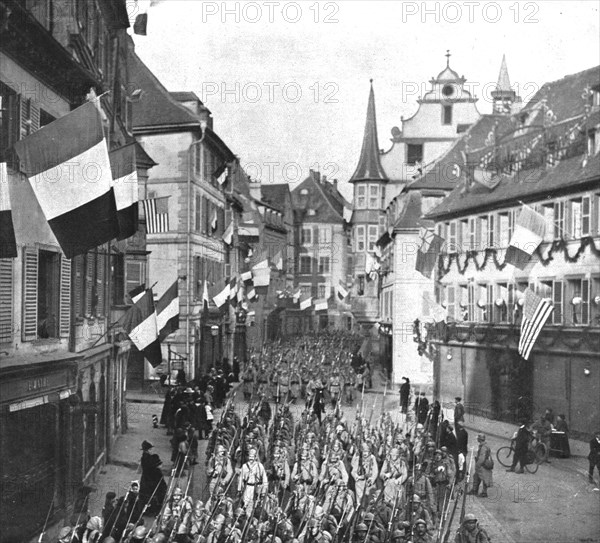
(379, 478)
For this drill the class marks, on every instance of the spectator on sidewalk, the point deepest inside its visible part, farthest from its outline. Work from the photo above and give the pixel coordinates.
(404, 394)
(421, 408)
(562, 440)
(594, 456)
(153, 487)
(544, 430)
(522, 440)
(483, 468)
(462, 444)
(459, 411)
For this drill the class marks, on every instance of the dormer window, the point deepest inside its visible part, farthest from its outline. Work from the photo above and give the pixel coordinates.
(303, 192)
(414, 153)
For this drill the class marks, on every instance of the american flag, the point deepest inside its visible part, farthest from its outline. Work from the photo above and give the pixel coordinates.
(536, 311)
(157, 215)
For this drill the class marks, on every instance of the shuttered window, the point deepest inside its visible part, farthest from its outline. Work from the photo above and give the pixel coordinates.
(6, 301)
(30, 117)
(134, 275)
(78, 274)
(30, 293)
(101, 284)
(65, 297)
(90, 290)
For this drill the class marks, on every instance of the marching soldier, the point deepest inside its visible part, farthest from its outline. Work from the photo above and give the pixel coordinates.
(219, 470)
(253, 482)
(364, 471)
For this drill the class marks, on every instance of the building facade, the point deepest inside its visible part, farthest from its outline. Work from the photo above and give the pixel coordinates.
(61, 376)
(322, 254)
(545, 157)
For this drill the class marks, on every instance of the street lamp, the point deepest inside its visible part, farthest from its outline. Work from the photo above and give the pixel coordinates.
(188, 293)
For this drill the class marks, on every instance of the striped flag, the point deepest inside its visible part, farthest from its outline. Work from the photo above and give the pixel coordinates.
(305, 304)
(536, 311)
(213, 221)
(125, 185)
(223, 296)
(342, 291)
(167, 312)
(246, 276)
(431, 245)
(228, 234)
(321, 305)
(136, 293)
(220, 174)
(140, 324)
(261, 277)
(278, 261)
(528, 234)
(157, 215)
(8, 242)
(69, 171)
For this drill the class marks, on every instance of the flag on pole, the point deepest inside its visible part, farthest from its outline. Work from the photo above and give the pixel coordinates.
(167, 312)
(342, 291)
(433, 309)
(261, 265)
(305, 304)
(8, 242)
(136, 293)
(528, 234)
(157, 215)
(261, 277)
(205, 298)
(251, 294)
(68, 168)
(246, 276)
(140, 324)
(220, 174)
(297, 296)
(431, 246)
(536, 311)
(228, 234)
(223, 296)
(321, 305)
(125, 185)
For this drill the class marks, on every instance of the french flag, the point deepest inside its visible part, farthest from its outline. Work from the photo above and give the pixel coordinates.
(8, 242)
(141, 325)
(125, 186)
(167, 312)
(68, 166)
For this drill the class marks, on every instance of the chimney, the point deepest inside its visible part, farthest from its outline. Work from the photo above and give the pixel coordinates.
(334, 183)
(316, 175)
(255, 189)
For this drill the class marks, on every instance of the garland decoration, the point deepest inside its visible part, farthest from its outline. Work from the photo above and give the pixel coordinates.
(558, 246)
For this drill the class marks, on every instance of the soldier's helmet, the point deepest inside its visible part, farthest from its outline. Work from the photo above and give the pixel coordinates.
(140, 533)
(420, 521)
(470, 517)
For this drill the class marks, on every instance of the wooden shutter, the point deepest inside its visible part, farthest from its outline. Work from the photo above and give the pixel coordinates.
(78, 273)
(30, 293)
(6, 300)
(90, 283)
(30, 116)
(221, 222)
(101, 284)
(65, 297)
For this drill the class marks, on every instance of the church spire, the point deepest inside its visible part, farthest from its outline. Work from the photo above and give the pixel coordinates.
(504, 97)
(503, 79)
(369, 166)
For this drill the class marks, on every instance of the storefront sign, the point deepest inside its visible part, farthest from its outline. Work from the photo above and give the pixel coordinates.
(28, 404)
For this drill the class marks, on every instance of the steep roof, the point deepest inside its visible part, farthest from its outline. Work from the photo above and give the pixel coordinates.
(445, 173)
(275, 194)
(410, 216)
(157, 107)
(503, 83)
(369, 165)
(559, 114)
(327, 208)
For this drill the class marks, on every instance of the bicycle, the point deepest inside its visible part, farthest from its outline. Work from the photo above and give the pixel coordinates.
(535, 455)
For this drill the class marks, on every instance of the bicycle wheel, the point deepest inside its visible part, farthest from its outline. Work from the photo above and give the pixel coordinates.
(541, 452)
(532, 463)
(504, 456)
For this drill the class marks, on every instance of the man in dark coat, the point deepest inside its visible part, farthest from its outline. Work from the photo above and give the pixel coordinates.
(594, 456)
(153, 487)
(421, 408)
(521, 447)
(459, 411)
(404, 394)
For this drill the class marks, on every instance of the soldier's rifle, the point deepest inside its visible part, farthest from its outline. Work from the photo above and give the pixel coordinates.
(466, 486)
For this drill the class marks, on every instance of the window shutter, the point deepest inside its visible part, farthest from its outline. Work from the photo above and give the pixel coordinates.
(89, 282)
(65, 297)
(30, 293)
(30, 117)
(78, 271)
(100, 284)
(6, 300)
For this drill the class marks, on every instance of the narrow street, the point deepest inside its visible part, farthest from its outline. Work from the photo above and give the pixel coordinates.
(555, 505)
